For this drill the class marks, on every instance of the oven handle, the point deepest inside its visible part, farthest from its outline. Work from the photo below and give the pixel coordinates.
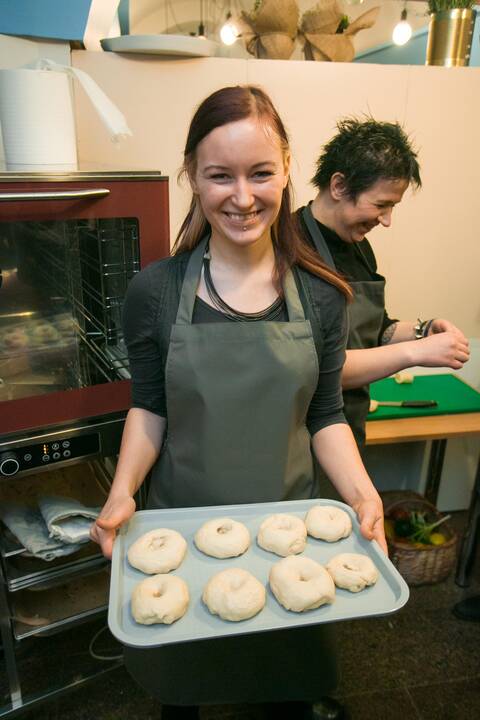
(55, 194)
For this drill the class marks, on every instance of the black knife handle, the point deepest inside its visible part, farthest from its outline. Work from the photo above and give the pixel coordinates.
(419, 403)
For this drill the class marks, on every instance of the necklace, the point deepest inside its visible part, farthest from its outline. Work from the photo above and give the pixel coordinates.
(272, 312)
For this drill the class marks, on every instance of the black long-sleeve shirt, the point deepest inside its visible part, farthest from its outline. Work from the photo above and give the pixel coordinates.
(355, 261)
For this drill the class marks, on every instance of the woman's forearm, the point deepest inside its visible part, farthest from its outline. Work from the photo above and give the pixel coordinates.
(336, 451)
(141, 444)
(363, 367)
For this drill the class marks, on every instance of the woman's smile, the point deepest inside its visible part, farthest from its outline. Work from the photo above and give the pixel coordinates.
(240, 178)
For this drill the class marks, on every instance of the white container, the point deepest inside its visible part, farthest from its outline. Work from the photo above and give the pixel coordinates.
(36, 115)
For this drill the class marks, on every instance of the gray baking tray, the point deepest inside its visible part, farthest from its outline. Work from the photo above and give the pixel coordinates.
(388, 595)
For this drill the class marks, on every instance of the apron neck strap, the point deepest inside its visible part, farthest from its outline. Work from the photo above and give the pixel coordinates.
(317, 236)
(192, 277)
(190, 284)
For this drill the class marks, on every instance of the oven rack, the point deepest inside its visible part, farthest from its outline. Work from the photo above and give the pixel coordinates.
(43, 578)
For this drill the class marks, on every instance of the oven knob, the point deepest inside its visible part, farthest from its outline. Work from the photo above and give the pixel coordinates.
(9, 464)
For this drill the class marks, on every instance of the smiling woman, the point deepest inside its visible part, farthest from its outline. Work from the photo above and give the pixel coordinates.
(236, 347)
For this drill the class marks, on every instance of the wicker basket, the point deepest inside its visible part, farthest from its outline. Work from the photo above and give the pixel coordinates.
(420, 565)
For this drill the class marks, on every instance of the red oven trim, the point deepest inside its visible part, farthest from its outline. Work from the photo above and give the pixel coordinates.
(57, 407)
(128, 198)
(146, 200)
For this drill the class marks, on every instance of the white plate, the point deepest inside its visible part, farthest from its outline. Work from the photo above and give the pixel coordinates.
(183, 45)
(388, 595)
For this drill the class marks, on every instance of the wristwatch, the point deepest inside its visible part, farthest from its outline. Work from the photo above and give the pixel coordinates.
(419, 329)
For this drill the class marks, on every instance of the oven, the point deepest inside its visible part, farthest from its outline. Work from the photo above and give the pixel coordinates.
(69, 245)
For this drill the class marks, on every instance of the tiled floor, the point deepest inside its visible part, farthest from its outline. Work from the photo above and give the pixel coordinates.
(418, 664)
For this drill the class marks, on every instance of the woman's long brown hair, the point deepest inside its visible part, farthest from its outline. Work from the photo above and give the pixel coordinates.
(231, 104)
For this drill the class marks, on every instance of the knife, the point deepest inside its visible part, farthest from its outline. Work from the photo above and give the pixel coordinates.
(374, 404)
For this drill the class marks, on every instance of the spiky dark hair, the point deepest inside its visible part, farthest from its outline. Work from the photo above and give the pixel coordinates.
(364, 151)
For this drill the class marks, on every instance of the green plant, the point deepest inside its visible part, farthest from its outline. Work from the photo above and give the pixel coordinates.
(435, 6)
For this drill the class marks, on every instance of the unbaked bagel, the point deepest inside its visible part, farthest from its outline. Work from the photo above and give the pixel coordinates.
(234, 594)
(300, 584)
(159, 599)
(282, 534)
(222, 538)
(328, 522)
(352, 571)
(158, 551)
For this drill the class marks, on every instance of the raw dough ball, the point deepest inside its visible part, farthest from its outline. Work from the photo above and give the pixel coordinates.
(158, 551)
(283, 534)
(234, 594)
(328, 522)
(160, 599)
(352, 571)
(15, 339)
(300, 584)
(403, 377)
(45, 333)
(222, 538)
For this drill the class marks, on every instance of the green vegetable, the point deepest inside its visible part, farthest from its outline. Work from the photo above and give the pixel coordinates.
(421, 530)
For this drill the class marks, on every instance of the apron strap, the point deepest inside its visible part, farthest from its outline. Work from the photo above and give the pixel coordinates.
(317, 236)
(190, 284)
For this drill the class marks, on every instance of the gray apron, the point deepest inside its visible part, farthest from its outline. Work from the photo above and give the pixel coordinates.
(365, 315)
(237, 400)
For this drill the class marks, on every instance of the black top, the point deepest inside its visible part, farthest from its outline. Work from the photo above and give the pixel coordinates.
(355, 261)
(150, 309)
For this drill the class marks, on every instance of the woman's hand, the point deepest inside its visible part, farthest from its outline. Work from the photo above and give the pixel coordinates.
(115, 512)
(370, 515)
(447, 348)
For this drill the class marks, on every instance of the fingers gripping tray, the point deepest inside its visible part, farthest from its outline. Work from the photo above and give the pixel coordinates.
(388, 595)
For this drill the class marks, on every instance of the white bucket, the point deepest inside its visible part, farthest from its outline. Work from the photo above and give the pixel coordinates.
(36, 115)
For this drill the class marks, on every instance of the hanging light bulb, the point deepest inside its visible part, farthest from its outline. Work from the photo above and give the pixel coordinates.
(402, 32)
(229, 31)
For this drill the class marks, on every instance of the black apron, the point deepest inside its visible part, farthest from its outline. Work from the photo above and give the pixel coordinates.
(365, 315)
(237, 400)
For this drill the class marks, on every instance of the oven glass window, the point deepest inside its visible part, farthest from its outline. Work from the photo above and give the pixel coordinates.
(62, 289)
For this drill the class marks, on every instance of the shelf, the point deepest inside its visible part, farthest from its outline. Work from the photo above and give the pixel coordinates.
(67, 604)
(52, 575)
(179, 45)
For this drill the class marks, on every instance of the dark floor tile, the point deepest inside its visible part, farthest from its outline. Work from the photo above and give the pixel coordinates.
(113, 696)
(387, 705)
(384, 652)
(448, 700)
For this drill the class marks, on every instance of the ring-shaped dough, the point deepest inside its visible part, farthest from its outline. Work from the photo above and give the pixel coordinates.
(282, 534)
(234, 594)
(159, 599)
(352, 571)
(301, 584)
(328, 522)
(158, 551)
(222, 538)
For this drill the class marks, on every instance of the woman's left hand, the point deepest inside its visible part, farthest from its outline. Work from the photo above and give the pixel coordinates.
(370, 515)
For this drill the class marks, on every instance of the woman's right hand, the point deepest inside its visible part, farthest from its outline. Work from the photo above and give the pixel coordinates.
(444, 349)
(115, 512)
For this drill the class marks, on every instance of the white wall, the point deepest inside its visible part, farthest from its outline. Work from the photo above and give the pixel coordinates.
(430, 255)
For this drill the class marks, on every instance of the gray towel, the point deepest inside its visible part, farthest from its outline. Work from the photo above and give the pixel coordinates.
(67, 519)
(29, 527)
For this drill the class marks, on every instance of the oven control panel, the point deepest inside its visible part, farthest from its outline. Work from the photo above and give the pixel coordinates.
(40, 454)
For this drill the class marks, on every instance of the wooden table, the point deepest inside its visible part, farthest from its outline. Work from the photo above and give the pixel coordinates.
(438, 429)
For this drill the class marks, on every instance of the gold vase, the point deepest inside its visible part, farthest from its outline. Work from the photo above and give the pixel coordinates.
(450, 37)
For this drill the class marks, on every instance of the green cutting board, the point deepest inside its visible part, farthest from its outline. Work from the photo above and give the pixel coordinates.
(451, 393)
